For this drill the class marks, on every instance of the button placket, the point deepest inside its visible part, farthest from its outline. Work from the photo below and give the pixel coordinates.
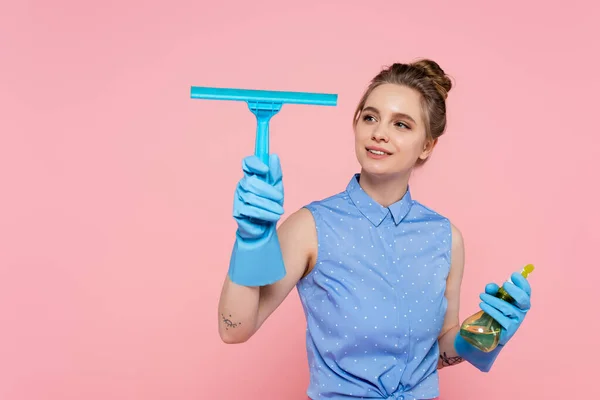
(388, 233)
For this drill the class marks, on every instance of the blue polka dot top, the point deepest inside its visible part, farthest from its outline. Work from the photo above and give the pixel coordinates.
(374, 302)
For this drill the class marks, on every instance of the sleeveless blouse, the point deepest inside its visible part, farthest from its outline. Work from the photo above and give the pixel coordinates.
(374, 302)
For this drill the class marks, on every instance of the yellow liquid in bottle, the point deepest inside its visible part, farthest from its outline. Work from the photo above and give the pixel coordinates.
(481, 330)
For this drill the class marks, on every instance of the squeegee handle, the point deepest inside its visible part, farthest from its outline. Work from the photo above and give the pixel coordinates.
(261, 147)
(263, 111)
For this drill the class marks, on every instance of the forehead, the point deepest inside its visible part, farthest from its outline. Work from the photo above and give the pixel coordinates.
(390, 98)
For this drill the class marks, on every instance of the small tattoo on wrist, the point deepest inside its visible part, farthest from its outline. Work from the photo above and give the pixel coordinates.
(229, 323)
(447, 361)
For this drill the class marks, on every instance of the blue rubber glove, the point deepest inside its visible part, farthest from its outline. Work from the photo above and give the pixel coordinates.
(510, 316)
(256, 259)
(480, 360)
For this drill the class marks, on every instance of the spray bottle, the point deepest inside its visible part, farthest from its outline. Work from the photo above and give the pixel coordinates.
(483, 331)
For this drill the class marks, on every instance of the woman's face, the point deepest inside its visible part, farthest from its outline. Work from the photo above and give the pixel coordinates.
(390, 135)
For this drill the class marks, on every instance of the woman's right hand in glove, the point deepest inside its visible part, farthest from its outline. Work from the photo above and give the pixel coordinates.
(258, 201)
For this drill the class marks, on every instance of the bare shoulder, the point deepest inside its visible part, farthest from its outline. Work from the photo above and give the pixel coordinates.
(458, 253)
(300, 219)
(300, 227)
(298, 235)
(457, 238)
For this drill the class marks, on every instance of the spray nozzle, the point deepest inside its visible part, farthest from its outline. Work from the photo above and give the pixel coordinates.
(527, 270)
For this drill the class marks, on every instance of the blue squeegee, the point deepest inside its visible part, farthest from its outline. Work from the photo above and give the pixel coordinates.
(252, 266)
(263, 104)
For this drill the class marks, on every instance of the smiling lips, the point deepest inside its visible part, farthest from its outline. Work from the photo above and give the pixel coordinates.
(377, 152)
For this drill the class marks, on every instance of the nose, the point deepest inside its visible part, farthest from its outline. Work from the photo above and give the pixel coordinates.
(380, 135)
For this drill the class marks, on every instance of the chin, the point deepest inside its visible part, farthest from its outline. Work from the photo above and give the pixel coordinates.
(377, 168)
(387, 168)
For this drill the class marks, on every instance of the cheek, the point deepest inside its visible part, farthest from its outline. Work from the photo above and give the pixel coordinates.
(357, 139)
(404, 143)
(409, 143)
(361, 134)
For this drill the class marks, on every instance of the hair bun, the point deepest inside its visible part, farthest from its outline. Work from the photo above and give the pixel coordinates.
(437, 75)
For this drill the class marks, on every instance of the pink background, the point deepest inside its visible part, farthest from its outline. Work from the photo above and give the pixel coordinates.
(115, 212)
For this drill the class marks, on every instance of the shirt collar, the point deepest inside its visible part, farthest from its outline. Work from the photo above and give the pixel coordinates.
(374, 211)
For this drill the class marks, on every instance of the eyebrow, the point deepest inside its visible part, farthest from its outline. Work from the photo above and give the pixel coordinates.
(401, 115)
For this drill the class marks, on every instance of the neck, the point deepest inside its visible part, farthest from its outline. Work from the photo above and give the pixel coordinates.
(384, 190)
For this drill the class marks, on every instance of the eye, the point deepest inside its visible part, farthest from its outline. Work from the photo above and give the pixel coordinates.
(402, 125)
(368, 118)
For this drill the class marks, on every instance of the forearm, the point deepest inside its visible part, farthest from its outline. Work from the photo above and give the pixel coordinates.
(238, 312)
(448, 354)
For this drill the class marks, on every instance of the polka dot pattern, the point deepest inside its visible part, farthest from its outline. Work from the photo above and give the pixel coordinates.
(374, 302)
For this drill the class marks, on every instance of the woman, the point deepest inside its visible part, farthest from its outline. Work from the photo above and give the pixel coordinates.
(378, 273)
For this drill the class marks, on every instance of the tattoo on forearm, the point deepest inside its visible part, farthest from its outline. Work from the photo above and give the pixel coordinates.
(447, 361)
(229, 323)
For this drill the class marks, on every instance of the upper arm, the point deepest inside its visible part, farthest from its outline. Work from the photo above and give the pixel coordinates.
(298, 241)
(454, 280)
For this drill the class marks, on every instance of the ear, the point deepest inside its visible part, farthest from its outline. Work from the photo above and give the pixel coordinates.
(428, 148)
